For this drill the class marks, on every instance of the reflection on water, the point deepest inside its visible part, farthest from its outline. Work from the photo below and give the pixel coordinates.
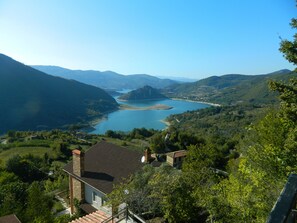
(126, 120)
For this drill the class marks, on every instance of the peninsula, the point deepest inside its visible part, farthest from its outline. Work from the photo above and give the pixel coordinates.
(144, 93)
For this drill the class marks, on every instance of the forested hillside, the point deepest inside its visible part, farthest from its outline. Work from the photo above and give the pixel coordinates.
(144, 93)
(31, 99)
(231, 89)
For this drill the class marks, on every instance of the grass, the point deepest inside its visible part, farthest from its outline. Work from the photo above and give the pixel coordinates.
(58, 206)
(36, 151)
(137, 145)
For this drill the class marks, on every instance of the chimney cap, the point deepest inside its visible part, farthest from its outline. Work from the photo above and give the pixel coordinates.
(77, 152)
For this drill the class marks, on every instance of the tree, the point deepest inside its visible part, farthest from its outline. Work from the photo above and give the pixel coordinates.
(289, 48)
(24, 168)
(157, 143)
(172, 191)
(136, 193)
(12, 194)
(39, 205)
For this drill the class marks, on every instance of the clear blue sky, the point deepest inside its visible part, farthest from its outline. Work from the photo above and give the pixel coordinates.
(189, 38)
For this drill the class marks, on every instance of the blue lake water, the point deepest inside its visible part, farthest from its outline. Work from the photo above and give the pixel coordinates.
(127, 120)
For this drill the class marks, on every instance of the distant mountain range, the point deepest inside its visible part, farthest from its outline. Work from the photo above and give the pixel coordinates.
(30, 99)
(230, 89)
(144, 93)
(179, 79)
(108, 80)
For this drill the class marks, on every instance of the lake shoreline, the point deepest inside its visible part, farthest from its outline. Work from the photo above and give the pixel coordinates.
(104, 117)
(201, 102)
(167, 123)
(176, 106)
(154, 107)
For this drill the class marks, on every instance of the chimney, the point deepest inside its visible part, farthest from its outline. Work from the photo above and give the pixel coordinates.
(147, 155)
(78, 162)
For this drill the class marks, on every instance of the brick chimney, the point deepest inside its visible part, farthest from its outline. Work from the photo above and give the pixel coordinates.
(76, 186)
(147, 155)
(78, 162)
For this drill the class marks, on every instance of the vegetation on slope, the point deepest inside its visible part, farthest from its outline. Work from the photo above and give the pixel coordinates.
(240, 188)
(32, 100)
(231, 89)
(144, 93)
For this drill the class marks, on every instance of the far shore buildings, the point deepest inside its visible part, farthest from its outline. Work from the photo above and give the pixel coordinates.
(92, 175)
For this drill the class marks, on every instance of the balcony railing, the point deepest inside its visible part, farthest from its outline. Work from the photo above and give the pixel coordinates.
(284, 210)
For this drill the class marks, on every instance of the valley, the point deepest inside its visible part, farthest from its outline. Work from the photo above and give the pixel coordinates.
(148, 111)
(221, 123)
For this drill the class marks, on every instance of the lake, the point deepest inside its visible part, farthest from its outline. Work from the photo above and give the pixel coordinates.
(127, 120)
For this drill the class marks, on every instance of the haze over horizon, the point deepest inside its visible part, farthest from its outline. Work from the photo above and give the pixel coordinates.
(192, 39)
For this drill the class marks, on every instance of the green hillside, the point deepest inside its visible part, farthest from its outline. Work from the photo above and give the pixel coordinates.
(145, 93)
(231, 89)
(31, 99)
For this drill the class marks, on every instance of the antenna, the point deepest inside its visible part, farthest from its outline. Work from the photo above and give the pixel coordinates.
(142, 159)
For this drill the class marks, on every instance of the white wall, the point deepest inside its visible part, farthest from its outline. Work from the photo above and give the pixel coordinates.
(93, 196)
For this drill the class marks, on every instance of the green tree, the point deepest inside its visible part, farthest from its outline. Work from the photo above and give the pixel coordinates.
(289, 48)
(12, 194)
(157, 143)
(39, 205)
(25, 168)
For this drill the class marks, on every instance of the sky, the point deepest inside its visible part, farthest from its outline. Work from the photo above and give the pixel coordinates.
(180, 38)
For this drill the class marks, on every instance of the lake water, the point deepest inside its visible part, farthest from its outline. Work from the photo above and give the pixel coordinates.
(127, 120)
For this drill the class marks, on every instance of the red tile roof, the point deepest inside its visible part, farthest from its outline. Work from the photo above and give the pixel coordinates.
(96, 217)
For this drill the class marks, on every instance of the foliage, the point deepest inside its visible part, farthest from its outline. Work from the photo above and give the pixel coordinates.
(156, 192)
(288, 48)
(16, 194)
(39, 205)
(25, 168)
(268, 157)
(12, 194)
(63, 219)
(288, 97)
(136, 133)
(144, 93)
(230, 89)
(41, 101)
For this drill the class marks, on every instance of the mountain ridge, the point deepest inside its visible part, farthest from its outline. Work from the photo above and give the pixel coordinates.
(106, 79)
(230, 89)
(34, 100)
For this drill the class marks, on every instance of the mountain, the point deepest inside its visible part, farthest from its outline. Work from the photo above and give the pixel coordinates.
(144, 93)
(230, 89)
(179, 79)
(31, 99)
(107, 79)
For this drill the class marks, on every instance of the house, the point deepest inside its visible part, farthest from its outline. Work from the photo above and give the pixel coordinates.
(92, 175)
(176, 158)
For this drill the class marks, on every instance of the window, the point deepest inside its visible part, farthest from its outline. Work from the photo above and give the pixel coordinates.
(103, 200)
(94, 196)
